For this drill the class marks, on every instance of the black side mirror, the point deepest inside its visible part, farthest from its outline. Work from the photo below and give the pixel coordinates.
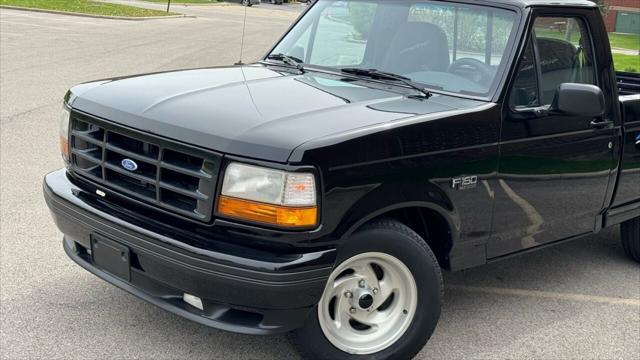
(578, 99)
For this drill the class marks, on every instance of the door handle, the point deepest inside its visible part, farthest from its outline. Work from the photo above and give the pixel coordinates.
(602, 124)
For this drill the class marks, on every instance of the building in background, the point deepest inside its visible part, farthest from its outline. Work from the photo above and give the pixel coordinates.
(623, 16)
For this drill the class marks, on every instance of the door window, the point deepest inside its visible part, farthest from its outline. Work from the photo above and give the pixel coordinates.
(562, 54)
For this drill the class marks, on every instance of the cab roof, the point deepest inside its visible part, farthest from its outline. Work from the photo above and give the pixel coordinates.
(530, 3)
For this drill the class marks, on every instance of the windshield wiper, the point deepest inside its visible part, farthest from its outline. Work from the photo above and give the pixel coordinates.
(383, 75)
(289, 60)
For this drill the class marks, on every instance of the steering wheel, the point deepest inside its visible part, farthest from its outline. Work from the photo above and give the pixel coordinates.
(472, 69)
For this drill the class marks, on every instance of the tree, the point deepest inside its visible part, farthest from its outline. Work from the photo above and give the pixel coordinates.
(361, 15)
(604, 5)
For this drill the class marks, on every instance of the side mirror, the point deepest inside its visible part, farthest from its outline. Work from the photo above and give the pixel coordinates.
(578, 99)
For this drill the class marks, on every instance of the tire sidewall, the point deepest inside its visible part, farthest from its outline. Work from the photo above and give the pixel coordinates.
(630, 236)
(426, 272)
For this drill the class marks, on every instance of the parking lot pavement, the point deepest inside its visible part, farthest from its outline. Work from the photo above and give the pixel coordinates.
(576, 300)
(264, 9)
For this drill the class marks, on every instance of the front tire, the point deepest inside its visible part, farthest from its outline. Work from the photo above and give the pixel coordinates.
(382, 301)
(630, 234)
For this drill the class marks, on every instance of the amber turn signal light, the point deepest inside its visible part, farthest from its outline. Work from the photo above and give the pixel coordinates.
(64, 132)
(64, 147)
(283, 216)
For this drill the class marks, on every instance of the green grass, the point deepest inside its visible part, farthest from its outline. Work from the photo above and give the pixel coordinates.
(555, 34)
(622, 41)
(85, 7)
(625, 41)
(187, 1)
(629, 63)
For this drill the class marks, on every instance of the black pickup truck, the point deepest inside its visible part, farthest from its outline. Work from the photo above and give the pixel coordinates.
(321, 190)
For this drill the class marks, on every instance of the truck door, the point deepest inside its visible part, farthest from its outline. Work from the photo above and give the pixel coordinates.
(554, 168)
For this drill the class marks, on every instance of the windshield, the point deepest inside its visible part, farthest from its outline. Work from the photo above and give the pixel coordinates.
(450, 47)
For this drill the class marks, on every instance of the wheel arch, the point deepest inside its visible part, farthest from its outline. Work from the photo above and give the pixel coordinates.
(438, 227)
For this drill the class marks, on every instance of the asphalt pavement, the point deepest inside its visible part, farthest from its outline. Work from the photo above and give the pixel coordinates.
(579, 300)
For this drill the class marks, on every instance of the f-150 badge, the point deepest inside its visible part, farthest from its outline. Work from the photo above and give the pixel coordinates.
(464, 182)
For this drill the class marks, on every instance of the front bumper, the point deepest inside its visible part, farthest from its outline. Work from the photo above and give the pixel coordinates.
(239, 294)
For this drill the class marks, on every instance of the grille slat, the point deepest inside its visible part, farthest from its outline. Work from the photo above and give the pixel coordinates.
(128, 173)
(168, 175)
(191, 194)
(86, 154)
(89, 139)
(199, 174)
(132, 155)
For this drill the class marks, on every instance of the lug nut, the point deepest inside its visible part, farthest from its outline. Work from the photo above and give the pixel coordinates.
(348, 294)
(361, 283)
(375, 291)
(352, 310)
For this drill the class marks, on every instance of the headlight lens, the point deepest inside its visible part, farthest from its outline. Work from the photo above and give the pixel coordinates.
(269, 196)
(64, 133)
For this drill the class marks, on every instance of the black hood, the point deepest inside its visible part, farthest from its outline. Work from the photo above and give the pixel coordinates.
(251, 111)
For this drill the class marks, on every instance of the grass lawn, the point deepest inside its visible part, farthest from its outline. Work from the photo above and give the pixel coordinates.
(86, 7)
(187, 1)
(625, 41)
(629, 63)
(622, 41)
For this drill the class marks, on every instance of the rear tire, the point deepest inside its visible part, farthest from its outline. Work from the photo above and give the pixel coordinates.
(630, 233)
(383, 255)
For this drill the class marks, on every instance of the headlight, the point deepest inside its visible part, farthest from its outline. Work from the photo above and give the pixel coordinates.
(269, 196)
(64, 133)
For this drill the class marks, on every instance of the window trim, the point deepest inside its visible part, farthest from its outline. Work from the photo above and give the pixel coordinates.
(536, 59)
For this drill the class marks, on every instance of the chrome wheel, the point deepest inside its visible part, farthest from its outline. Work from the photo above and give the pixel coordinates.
(368, 303)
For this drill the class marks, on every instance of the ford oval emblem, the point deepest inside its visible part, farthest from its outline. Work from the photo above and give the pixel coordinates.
(129, 164)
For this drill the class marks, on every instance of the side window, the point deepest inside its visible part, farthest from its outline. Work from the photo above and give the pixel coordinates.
(564, 55)
(524, 92)
(564, 52)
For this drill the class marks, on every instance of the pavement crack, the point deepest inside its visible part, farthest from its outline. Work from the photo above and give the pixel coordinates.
(11, 118)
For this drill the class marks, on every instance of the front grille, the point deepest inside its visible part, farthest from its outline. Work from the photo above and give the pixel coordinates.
(166, 174)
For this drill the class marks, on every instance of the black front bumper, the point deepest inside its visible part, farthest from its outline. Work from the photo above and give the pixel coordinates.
(242, 295)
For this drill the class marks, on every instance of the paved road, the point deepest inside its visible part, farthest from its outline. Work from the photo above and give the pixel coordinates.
(577, 300)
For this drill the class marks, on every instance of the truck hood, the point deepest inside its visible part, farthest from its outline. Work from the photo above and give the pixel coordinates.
(252, 111)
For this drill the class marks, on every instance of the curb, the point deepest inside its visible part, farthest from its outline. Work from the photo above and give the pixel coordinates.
(623, 51)
(130, 18)
(178, 3)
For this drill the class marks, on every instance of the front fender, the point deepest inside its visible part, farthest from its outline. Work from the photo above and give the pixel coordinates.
(386, 198)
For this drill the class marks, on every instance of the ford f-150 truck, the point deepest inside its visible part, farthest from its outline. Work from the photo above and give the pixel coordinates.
(321, 190)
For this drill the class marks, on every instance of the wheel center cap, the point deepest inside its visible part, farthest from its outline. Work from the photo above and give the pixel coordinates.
(365, 301)
(362, 299)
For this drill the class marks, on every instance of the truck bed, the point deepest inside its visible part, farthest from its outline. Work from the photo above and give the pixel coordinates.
(628, 83)
(626, 201)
